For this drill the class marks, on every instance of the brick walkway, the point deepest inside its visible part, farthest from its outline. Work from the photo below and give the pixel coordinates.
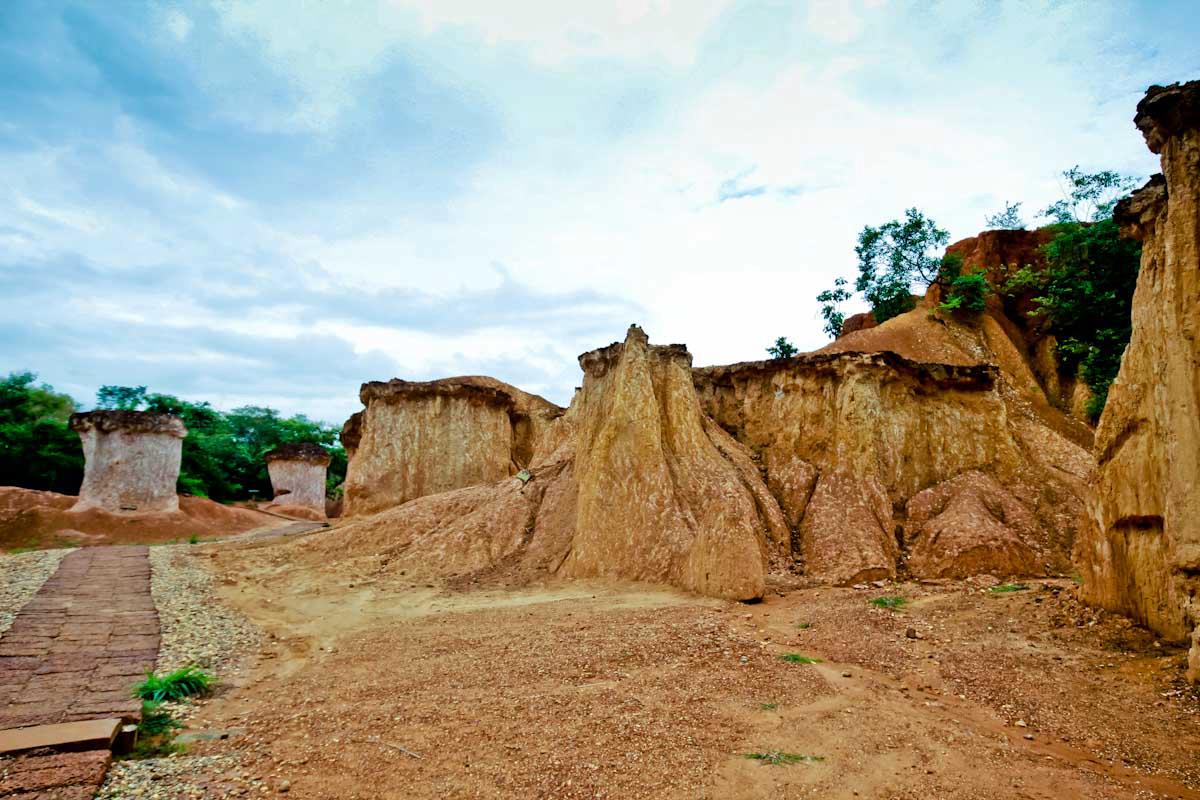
(74, 652)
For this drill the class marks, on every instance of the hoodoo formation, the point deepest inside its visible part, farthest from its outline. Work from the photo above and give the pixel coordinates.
(131, 460)
(843, 466)
(1140, 547)
(419, 438)
(298, 475)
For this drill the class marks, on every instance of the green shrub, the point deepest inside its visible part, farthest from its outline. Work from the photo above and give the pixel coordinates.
(893, 602)
(178, 685)
(968, 294)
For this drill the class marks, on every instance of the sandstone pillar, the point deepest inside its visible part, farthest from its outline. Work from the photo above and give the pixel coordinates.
(1139, 552)
(131, 460)
(298, 475)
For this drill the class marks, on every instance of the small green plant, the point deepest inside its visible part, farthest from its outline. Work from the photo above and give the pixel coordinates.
(893, 602)
(174, 686)
(796, 658)
(803, 625)
(1005, 588)
(782, 348)
(768, 706)
(777, 758)
(193, 539)
(968, 294)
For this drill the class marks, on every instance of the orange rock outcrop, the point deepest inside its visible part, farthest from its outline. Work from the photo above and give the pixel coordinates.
(1139, 551)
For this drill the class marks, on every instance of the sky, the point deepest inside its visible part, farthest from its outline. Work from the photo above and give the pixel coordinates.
(270, 202)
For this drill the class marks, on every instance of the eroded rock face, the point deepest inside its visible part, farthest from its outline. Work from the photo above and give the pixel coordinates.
(1140, 549)
(131, 460)
(632, 482)
(871, 451)
(420, 438)
(298, 475)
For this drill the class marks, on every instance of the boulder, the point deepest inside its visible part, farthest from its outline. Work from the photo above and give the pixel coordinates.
(1139, 551)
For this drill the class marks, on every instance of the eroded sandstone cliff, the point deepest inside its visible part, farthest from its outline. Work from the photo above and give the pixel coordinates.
(884, 464)
(632, 482)
(1139, 551)
(419, 438)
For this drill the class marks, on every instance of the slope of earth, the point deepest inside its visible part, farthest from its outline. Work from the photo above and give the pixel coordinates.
(613, 690)
(39, 520)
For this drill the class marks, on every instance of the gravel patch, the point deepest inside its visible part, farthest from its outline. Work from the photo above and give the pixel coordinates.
(173, 777)
(196, 627)
(21, 575)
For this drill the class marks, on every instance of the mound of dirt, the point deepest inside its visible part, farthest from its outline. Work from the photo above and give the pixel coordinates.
(33, 519)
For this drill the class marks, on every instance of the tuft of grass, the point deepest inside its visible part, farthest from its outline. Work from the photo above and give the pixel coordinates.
(768, 706)
(803, 625)
(193, 539)
(1005, 588)
(796, 658)
(174, 686)
(777, 758)
(1077, 578)
(891, 601)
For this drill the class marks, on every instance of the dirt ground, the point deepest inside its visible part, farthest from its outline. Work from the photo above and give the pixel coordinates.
(374, 688)
(33, 520)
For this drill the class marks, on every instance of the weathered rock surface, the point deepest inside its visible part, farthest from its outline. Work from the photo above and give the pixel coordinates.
(298, 476)
(632, 482)
(131, 460)
(420, 438)
(850, 437)
(1139, 551)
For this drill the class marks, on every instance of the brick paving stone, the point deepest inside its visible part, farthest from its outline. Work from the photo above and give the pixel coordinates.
(73, 653)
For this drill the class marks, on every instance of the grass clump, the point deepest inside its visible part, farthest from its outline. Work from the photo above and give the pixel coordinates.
(174, 686)
(893, 602)
(1005, 588)
(796, 658)
(803, 625)
(193, 539)
(777, 758)
(768, 706)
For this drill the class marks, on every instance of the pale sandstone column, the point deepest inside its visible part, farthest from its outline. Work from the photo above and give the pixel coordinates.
(298, 475)
(131, 460)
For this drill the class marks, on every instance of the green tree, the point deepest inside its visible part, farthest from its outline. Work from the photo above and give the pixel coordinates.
(125, 398)
(37, 449)
(831, 300)
(1007, 220)
(1086, 294)
(895, 256)
(1088, 197)
(782, 348)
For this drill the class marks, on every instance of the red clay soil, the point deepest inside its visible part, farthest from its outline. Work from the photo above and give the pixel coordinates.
(416, 691)
(36, 520)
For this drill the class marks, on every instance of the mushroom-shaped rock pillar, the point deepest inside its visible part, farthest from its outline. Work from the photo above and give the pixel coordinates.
(131, 460)
(298, 475)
